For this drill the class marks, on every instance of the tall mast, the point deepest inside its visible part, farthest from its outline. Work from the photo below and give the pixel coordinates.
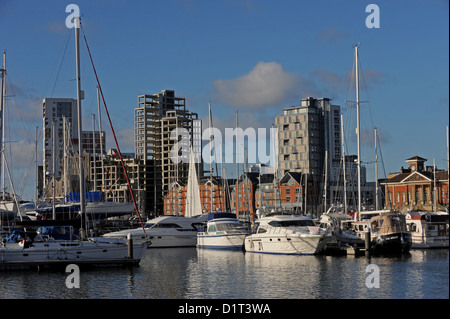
(93, 152)
(101, 137)
(53, 169)
(343, 165)
(210, 159)
(236, 191)
(376, 169)
(2, 131)
(434, 186)
(448, 167)
(36, 170)
(80, 146)
(358, 131)
(66, 166)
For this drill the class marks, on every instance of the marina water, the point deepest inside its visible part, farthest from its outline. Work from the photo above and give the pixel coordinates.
(191, 273)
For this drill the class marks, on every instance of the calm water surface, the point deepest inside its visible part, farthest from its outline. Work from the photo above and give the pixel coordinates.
(207, 274)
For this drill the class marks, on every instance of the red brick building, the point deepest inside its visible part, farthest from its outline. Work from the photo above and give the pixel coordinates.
(175, 199)
(417, 187)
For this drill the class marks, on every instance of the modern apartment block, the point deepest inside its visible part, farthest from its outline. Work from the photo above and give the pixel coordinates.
(160, 121)
(305, 132)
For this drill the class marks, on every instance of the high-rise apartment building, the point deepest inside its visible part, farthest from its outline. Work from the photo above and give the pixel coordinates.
(305, 133)
(159, 122)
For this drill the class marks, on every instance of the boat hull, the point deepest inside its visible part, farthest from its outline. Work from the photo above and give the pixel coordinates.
(161, 239)
(59, 253)
(285, 245)
(391, 243)
(172, 241)
(419, 242)
(221, 241)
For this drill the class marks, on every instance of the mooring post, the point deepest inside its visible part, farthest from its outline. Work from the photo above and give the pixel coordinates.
(130, 245)
(367, 241)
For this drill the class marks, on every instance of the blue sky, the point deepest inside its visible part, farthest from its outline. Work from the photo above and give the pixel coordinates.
(255, 56)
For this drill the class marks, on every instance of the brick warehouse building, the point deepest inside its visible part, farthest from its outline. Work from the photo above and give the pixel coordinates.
(413, 188)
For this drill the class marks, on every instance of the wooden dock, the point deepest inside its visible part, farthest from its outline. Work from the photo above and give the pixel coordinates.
(333, 249)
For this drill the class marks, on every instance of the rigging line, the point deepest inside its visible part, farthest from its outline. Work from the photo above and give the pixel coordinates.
(62, 60)
(112, 129)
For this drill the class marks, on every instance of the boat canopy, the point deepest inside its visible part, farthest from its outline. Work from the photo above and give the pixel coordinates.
(90, 196)
(388, 223)
(217, 215)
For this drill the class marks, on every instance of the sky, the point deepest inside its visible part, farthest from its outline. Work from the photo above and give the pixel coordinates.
(256, 57)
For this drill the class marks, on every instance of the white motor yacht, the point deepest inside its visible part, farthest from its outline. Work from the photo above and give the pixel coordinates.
(285, 234)
(428, 229)
(165, 231)
(223, 231)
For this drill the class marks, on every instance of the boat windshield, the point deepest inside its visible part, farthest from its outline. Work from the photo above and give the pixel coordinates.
(292, 223)
(229, 226)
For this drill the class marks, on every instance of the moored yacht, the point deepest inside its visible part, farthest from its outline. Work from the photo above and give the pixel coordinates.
(388, 233)
(428, 229)
(285, 234)
(36, 253)
(223, 231)
(165, 231)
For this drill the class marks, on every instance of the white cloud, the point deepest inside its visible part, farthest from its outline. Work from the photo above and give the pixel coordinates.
(267, 84)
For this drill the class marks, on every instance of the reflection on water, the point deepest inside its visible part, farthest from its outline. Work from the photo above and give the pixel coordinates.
(191, 273)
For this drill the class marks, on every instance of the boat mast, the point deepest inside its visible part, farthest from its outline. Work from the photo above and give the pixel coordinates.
(66, 166)
(376, 169)
(236, 191)
(343, 165)
(80, 146)
(2, 131)
(448, 167)
(101, 138)
(94, 153)
(53, 170)
(434, 186)
(210, 160)
(358, 131)
(36, 169)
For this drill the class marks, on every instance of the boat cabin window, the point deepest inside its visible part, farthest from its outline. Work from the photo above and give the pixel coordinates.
(291, 223)
(255, 228)
(412, 227)
(166, 225)
(261, 230)
(375, 226)
(227, 226)
(398, 223)
(212, 228)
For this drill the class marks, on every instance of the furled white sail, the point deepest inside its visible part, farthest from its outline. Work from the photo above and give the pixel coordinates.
(193, 204)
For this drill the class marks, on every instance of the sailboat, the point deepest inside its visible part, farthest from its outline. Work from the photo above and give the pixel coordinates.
(33, 251)
(193, 203)
(393, 237)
